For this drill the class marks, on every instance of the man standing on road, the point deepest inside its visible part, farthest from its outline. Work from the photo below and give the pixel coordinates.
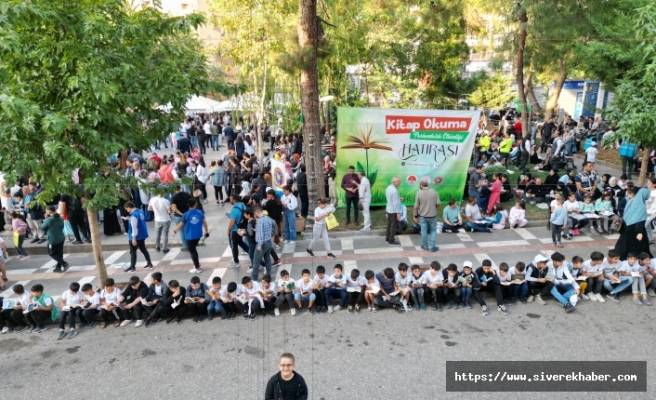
(475, 182)
(393, 210)
(137, 235)
(301, 184)
(425, 214)
(286, 384)
(179, 206)
(263, 246)
(229, 134)
(364, 191)
(53, 226)
(350, 184)
(34, 211)
(184, 145)
(236, 217)
(162, 209)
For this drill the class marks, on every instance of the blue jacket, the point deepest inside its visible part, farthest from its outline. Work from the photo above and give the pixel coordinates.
(137, 216)
(635, 209)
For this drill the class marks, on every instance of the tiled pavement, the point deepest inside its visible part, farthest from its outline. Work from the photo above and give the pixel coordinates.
(362, 252)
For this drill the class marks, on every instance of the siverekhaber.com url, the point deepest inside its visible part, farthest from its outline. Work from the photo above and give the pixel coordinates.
(569, 377)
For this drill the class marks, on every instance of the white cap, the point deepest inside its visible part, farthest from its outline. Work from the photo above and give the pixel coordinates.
(540, 258)
(467, 264)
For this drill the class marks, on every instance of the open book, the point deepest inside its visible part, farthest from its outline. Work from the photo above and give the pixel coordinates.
(357, 289)
(636, 274)
(374, 290)
(9, 304)
(289, 286)
(192, 300)
(577, 216)
(106, 306)
(591, 216)
(581, 278)
(147, 303)
(394, 293)
(607, 213)
(71, 307)
(30, 308)
(521, 277)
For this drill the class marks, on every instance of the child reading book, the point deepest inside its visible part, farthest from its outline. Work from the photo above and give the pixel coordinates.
(615, 281)
(403, 280)
(197, 298)
(588, 211)
(372, 288)
(354, 288)
(249, 300)
(466, 285)
(576, 269)
(434, 280)
(592, 270)
(320, 290)
(268, 294)
(71, 301)
(519, 286)
(91, 307)
(417, 284)
(505, 283)
(109, 304)
(215, 303)
(389, 291)
(451, 287)
(12, 318)
(305, 291)
(336, 287)
(286, 289)
(41, 308)
(637, 272)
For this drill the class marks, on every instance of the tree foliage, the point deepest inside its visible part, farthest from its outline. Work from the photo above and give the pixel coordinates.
(494, 91)
(80, 80)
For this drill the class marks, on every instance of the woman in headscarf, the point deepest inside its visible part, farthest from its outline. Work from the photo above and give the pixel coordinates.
(633, 234)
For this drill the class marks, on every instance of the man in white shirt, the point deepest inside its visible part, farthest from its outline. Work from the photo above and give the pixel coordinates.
(393, 210)
(289, 204)
(162, 209)
(364, 192)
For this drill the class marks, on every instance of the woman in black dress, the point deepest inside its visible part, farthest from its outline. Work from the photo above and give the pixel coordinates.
(273, 208)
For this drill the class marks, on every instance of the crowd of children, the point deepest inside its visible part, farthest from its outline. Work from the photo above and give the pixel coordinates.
(407, 288)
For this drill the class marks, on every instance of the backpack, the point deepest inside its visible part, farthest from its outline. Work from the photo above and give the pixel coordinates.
(241, 212)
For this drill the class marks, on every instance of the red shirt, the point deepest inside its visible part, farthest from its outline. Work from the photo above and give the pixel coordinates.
(518, 126)
(157, 160)
(165, 174)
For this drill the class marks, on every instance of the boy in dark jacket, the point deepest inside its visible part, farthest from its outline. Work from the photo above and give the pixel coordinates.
(286, 384)
(132, 297)
(172, 305)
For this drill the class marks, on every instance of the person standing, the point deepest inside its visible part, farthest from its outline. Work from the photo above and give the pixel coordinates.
(350, 183)
(286, 384)
(301, 184)
(474, 183)
(193, 222)
(34, 212)
(263, 234)
(53, 227)
(425, 214)
(393, 210)
(364, 192)
(137, 235)
(179, 206)
(289, 204)
(162, 209)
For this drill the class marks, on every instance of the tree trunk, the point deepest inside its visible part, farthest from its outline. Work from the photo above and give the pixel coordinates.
(101, 269)
(523, 20)
(259, 127)
(308, 40)
(533, 101)
(123, 160)
(644, 167)
(552, 101)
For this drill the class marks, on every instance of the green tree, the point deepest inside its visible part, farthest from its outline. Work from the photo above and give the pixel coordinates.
(494, 91)
(81, 80)
(634, 106)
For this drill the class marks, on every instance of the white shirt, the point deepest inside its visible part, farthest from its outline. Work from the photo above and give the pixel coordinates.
(322, 212)
(375, 286)
(253, 291)
(289, 201)
(160, 207)
(592, 270)
(72, 299)
(333, 280)
(420, 279)
(364, 190)
(321, 282)
(403, 281)
(359, 281)
(282, 283)
(571, 205)
(158, 290)
(610, 268)
(110, 297)
(306, 287)
(207, 128)
(202, 173)
(592, 153)
(505, 278)
(94, 299)
(432, 280)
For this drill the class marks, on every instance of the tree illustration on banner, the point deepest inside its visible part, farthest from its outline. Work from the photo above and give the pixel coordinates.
(364, 140)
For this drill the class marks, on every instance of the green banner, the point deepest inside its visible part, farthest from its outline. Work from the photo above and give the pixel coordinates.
(414, 145)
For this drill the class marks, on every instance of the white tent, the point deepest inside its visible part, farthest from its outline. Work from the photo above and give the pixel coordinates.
(200, 104)
(228, 105)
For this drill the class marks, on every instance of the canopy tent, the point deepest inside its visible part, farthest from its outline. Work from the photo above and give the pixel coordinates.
(200, 104)
(228, 105)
